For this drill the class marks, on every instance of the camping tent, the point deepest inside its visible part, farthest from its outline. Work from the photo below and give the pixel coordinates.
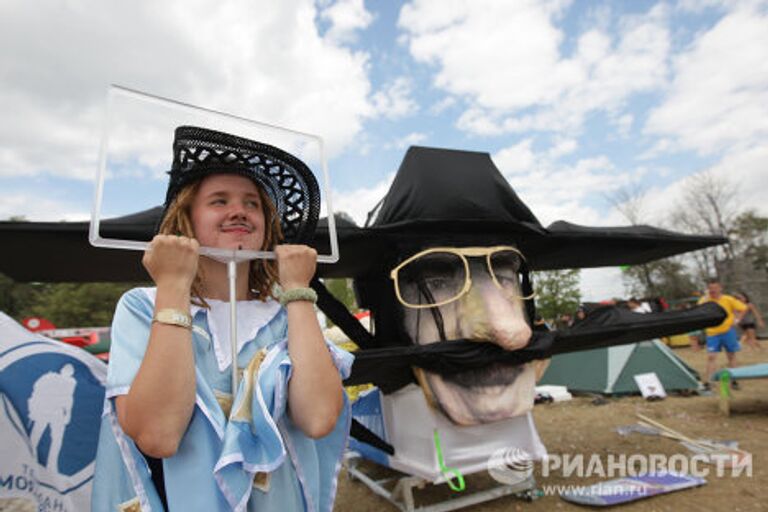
(610, 370)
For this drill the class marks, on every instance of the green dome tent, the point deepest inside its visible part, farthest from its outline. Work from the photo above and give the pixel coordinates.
(610, 370)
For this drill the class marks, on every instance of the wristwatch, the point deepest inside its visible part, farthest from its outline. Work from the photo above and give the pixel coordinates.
(173, 317)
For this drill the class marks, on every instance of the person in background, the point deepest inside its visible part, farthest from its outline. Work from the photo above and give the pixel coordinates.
(540, 324)
(564, 321)
(636, 306)
(749, 322)
(723, 336)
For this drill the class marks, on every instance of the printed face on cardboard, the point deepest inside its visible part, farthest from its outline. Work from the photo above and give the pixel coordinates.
(472, 294)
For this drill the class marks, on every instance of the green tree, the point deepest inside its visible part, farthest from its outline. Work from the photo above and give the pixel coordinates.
(17, 299)
(79, 304)
(668, 278)
(342, 289)
(557, 292)
(749, 238)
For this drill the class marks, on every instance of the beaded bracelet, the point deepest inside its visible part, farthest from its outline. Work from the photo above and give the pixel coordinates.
(307, 294)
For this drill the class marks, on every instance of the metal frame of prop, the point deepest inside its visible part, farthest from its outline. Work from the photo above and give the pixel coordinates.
(401, 493)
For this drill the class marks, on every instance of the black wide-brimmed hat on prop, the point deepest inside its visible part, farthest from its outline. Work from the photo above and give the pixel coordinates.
(450, 197)
(289, 183)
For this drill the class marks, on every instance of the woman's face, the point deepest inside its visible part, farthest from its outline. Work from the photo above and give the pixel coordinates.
(227, 213)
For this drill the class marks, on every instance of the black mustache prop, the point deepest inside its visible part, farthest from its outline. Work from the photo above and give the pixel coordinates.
(391, 368)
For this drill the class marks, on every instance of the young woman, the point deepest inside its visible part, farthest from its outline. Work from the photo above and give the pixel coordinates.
(749, 322)
(276, 441)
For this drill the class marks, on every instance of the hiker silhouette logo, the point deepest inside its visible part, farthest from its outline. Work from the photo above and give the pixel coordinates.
(51, 402)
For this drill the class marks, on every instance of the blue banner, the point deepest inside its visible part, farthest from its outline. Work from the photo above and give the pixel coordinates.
(51, 400)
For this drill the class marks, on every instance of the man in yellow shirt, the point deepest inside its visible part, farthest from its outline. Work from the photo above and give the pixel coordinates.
(722, 336)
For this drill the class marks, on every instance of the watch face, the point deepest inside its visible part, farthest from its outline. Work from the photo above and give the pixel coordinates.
(181, 319)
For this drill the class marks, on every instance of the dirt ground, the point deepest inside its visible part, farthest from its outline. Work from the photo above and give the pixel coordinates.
(579, 426)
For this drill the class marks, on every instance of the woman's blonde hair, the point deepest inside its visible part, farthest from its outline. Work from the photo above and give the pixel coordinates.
(262, 274)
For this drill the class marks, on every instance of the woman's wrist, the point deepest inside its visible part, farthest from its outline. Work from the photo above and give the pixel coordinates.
(291, 285)
(173, 296)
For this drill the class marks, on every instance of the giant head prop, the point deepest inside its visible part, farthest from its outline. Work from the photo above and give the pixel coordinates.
(446, 257)
(453, 272)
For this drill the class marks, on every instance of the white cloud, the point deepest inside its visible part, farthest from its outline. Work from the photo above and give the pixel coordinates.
(258, 59)
(412, 139)
(557, 191)
(479, 122)
(658, 148)
(38, 207)
(488, 53)
(394, 100)
(517, 159)
(563, 146)
(357, 203)
(717, 104)
(746, 170)
(624, 124)
(504, 59)
(697, 6)
(602, 283)
(347, 17)
(718, 99)
(442, 105)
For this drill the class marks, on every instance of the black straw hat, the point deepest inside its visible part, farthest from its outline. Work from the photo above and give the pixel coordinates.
(289, 183)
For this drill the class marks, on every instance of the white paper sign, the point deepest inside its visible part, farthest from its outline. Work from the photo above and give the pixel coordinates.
(650, 385)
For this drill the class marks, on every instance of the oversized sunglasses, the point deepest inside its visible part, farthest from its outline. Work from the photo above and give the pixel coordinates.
(440, 275)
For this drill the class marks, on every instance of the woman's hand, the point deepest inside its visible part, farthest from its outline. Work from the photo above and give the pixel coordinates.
(172, 260)
(296, 265)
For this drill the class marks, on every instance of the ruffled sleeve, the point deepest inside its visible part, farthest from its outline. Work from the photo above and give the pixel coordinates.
(130, 337)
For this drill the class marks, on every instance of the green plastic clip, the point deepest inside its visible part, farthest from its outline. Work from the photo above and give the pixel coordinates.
(725, 381)
(449, 473)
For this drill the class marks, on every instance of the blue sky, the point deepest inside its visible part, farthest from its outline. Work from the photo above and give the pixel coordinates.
(573, 100)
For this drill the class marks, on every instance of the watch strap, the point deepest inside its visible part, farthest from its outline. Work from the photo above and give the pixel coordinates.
(173, 317)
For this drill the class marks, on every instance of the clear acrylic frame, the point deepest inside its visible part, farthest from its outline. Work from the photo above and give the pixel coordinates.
(136, 153)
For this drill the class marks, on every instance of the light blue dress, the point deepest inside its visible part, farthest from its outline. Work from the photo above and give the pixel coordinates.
(218, 458)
